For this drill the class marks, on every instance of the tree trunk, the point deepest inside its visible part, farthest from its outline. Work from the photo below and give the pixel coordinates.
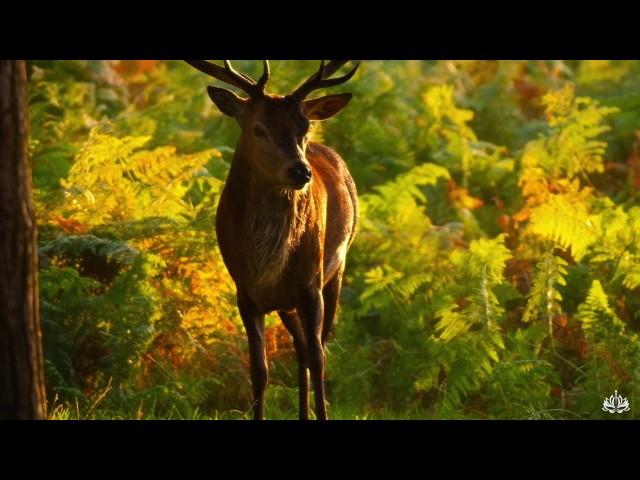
(22, 393)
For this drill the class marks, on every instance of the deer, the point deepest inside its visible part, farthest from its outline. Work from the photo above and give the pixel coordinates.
(286, 217)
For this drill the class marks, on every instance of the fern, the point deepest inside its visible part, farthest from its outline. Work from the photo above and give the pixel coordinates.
(447, 122)
(407, 288)
(468, 339)
(520, 388)
(112, 179)
(618, 248)
(557, 160)
(393, 220)
(614, 362)
(138, 229)
(544, 298)
(566, 220)
(596, 316)
(379, 279)
(74, 246)
(575, 124)
(463, 367)
(94, 331)
(451, 322)
(482, 268)
(452, 141)
(395, 196)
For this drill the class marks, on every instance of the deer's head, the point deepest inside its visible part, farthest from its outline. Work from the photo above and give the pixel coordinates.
(275, 128)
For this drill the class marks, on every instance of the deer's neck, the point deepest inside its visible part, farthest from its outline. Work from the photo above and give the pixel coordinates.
(274, 221)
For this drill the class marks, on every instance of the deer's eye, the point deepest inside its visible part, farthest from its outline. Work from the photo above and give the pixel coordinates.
(259, 132)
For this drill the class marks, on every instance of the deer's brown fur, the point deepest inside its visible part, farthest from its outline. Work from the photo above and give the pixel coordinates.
(287, 215)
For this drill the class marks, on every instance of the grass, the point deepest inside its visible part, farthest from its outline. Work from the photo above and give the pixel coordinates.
(274, 411)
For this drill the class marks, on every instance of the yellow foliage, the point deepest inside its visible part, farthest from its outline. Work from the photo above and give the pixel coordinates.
(566, 220)
(111, 181)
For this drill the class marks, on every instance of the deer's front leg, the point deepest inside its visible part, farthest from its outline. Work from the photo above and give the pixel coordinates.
(311, 311)
(254, 325)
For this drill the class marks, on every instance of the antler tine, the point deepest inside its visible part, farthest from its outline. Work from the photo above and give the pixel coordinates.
(306, 88)
(321, 78)
(228, 75)
(266, 72)
(333, 66)
(232, 71)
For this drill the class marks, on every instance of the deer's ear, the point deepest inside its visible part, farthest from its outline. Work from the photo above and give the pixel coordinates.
(228, 102)
(325, 107)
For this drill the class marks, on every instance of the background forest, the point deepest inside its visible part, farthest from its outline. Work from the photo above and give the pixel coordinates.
(495, 275)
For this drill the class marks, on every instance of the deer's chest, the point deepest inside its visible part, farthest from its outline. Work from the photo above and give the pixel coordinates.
(272, 255)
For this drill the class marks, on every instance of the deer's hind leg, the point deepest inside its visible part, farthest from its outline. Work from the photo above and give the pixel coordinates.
(331, 296)
(292, 323)
(311, 311)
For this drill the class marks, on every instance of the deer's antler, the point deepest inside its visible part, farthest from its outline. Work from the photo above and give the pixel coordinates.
(228, 75)
(321, 79)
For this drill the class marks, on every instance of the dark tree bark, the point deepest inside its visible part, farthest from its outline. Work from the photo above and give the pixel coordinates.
(22, 393)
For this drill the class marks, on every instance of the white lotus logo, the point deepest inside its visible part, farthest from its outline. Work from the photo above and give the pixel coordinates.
(615, 404)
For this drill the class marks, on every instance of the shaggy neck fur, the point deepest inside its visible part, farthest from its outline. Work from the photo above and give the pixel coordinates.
(275, 223)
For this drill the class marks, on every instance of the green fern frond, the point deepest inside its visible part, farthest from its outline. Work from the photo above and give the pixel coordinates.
(453, 142)
(406, 185)
(632, 276)
(451, 323)
(137, 229)
(378, 280)
(487, 258)
(618, 248)
(73, 246)
(595, 314)
(113, 180)
(482, 267)
(544, 298)
(565, 219)
(407, 287)
(571, 148)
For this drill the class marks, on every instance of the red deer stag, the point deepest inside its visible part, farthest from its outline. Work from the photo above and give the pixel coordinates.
(286, 217)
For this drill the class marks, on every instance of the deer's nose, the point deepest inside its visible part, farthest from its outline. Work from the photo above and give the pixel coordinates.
(300, 173)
